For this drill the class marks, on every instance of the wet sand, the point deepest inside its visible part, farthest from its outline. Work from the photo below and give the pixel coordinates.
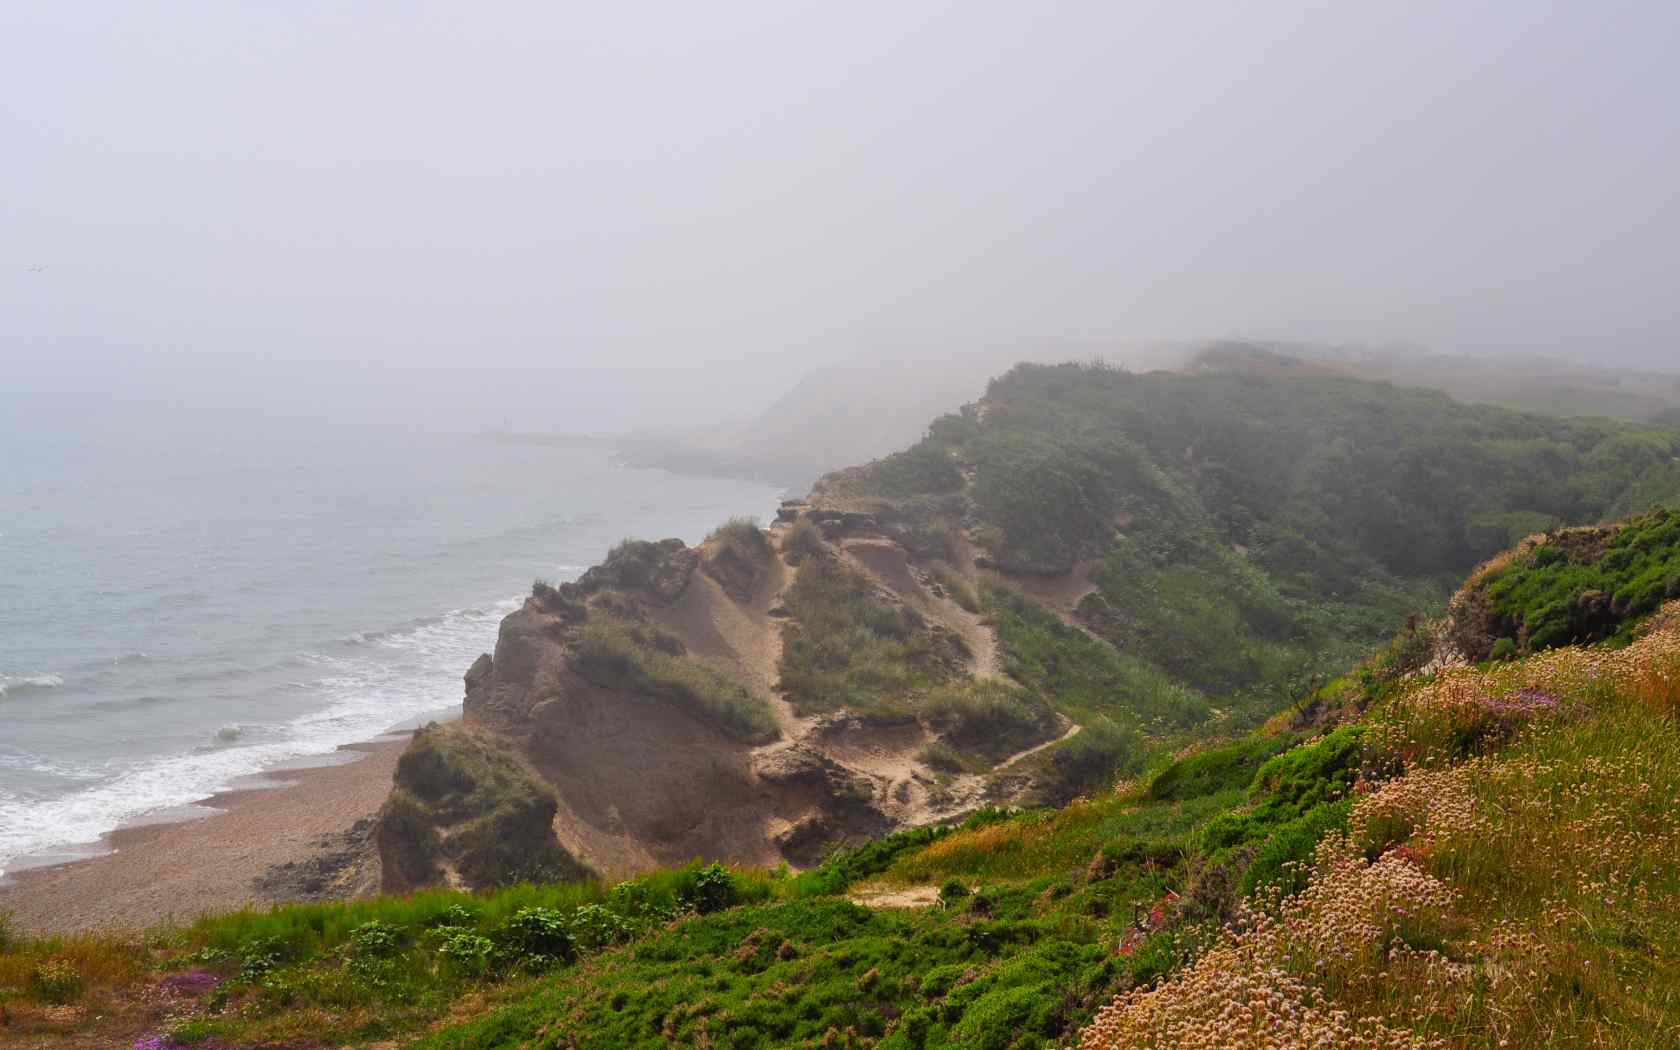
(178, 871)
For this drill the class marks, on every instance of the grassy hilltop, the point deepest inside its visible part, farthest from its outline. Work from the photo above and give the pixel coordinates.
(1288, 810)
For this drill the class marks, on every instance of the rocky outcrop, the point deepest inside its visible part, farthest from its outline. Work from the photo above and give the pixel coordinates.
(588, 738)
(653, 572)
(466, 813)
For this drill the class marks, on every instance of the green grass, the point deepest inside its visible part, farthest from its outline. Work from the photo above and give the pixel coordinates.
(1543, 597)
(846, 647)
(459, 800)
(989, 720)
(959, 589)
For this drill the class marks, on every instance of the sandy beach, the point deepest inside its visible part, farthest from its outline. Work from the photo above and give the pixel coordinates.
(181, 870)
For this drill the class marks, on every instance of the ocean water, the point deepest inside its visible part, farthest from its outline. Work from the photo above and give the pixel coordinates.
(177, 616)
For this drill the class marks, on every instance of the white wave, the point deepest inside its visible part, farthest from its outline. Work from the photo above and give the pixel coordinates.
(18, 685)
(402, 677)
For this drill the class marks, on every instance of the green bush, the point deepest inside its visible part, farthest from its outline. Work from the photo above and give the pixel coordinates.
(1217, 769)
(743, 536)
(1283, 857)
(593, 927)
(537, 937)
(1313, 773)
(376, 939)
(713, 889)
(469, 952)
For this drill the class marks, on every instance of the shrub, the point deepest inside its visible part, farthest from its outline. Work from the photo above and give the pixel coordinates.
(713, 889)
(56, 982)
(944, 758)
(376, 939)
(952, 892)
(594, 927)
(453, 915)
(1217, 769)
(1313, 773)
(470, 952)
(802, 540)
(743, 536)
(260, 956)
(537, 936)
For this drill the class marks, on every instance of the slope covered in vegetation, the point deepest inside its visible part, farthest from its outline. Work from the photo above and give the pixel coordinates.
(1469, 856)
(1177, 554)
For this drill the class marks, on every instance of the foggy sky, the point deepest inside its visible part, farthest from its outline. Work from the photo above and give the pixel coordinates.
(503, 212)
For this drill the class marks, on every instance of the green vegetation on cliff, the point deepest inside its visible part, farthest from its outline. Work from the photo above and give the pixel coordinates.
(638, 659)
(463, 807)
(847, 647)
(1583, 585)
(1243, 533)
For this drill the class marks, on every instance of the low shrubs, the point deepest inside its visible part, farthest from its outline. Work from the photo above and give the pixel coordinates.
(802, 540)
(742, 536)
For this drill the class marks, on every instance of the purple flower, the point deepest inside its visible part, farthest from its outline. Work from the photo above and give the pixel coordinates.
(193, 982)
(1524, 703)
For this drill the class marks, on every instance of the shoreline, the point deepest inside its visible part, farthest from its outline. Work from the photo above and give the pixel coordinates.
(162, 871)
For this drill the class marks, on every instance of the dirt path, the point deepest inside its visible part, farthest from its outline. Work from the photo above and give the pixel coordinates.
(898, 897)
(1072, 728)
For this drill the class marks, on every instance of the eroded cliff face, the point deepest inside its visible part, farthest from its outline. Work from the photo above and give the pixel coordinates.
(645, 700)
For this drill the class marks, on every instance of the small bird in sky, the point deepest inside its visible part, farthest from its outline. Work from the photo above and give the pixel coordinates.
(37, 269)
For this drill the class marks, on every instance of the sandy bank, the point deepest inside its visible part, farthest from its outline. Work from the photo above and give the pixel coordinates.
(180, 871)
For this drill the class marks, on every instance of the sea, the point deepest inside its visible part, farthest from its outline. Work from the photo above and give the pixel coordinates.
(182, 617)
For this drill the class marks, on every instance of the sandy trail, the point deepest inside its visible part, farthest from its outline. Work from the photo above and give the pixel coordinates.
(1071, 728)
(897, 897)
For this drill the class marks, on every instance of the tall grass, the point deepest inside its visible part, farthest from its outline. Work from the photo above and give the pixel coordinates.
(847, 647)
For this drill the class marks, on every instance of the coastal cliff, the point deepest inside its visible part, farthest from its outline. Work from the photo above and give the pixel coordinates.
(1077, 573)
